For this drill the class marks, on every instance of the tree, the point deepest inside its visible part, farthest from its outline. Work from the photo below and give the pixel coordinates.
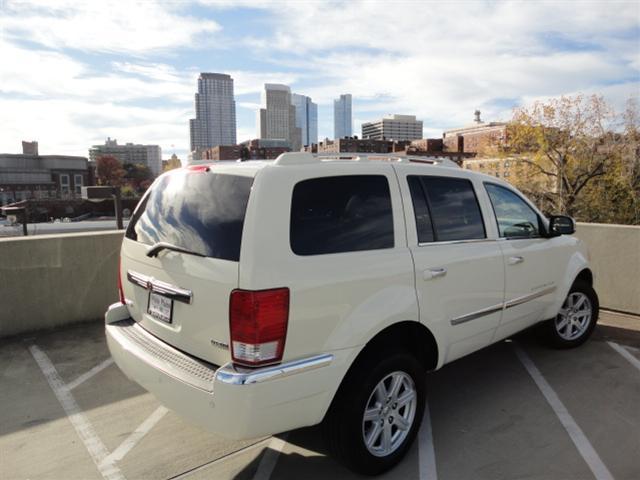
(173, 163)
(615, 197)
(109, 171)
(138, 176)
(567, 142)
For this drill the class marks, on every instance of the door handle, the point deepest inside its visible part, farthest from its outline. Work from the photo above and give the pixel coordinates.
(515, 260)
(432, 273)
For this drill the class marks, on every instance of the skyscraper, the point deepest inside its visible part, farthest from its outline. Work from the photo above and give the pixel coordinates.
(342, 120)
(306, 118)
(277, 119)
(215, 122)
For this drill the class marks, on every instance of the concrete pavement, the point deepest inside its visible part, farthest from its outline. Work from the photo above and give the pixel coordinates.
(490, 419)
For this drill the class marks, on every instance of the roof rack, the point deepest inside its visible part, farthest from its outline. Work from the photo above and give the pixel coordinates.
(301, 158)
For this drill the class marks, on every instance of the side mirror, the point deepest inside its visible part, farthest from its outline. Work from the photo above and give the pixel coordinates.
(561, 225)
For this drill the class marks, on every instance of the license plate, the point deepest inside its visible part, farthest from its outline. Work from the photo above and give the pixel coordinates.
(160, 307)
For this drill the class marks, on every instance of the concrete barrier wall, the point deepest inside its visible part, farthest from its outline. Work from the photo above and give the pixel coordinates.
(52, 280)
(615, 257)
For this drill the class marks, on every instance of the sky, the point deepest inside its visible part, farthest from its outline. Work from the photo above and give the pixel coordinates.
(73, 73)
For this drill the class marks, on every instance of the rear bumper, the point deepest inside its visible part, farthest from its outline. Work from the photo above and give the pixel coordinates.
(233, 402)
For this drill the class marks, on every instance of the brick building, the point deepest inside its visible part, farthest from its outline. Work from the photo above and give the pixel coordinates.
(265, 148)
(475, 137)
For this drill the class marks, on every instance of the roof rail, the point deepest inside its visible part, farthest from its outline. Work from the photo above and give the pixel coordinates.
(295, 158)
(388, 157)
(302, 158)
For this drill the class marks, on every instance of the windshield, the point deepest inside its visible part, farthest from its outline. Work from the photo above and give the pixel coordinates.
(198, 211)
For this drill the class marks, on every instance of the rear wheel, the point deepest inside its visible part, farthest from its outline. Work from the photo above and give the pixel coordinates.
(576, 319)
(376, 414)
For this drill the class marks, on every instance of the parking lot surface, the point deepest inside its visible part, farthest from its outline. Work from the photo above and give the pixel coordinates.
(514, 410)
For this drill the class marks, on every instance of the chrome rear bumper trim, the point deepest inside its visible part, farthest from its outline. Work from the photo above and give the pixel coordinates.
(235, 375)
(197, 373)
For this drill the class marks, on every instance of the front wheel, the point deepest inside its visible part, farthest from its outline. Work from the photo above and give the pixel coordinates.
(376, 416)
(576, 319)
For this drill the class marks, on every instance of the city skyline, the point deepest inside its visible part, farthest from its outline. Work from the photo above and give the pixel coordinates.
(77, 73)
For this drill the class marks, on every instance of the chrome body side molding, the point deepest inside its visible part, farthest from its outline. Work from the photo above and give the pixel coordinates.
(496, 308)
(531, 296)
(163, 288)
(477, 314)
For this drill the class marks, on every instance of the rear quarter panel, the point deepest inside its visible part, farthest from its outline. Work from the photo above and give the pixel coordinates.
(338, 301)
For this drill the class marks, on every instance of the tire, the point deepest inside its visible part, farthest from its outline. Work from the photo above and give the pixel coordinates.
(577, 318)
(344, 427)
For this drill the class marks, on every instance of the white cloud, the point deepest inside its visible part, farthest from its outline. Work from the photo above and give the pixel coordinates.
(437, 61)
(442, 61)
(135, 27)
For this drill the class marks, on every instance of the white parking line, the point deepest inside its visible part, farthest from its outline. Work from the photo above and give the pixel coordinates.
(224, 458)
(131, 441)
(80, 423)
(625, 353)
(86, 376)
(270, 458)
(426, 451)
(579, 439)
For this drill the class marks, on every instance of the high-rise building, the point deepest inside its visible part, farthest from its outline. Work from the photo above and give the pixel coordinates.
(306, 118)
(136, 154)
(393, 127)
(215, 122)
(342, 119)
(277, 118)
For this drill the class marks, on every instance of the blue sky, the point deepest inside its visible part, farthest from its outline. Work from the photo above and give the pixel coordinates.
(74, 72)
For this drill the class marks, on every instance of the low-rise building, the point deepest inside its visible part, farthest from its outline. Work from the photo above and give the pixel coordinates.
(476, 137)
(136, 154)
(222, 152)
(264, 148)
(29, 175)
(353, 144)
(393, 127)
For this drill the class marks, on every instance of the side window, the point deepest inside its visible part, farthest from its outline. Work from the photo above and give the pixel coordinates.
(515, 218)
(341, 214)
(421, 210)
(454, 208)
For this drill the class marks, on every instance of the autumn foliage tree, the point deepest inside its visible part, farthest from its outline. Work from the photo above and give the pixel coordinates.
(109, 171)
(578, 156)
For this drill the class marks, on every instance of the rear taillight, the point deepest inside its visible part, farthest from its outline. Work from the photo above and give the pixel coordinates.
(258, 324)
(120, 290)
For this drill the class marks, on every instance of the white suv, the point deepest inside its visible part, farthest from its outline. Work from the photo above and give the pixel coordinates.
(259, 297)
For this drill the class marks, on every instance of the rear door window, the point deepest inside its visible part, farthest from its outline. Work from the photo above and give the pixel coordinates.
(200, 211)
(451, 209)
(341, 214)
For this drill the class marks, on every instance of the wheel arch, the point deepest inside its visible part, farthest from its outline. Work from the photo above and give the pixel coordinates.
(578, 268)
(415, 336)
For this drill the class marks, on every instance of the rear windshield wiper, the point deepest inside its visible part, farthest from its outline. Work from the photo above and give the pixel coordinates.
(156, 248)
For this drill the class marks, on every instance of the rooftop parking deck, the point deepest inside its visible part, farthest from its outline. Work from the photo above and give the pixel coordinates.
(514, 410)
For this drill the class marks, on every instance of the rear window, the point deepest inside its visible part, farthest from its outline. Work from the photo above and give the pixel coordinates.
(341, 214)
(202, 212)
